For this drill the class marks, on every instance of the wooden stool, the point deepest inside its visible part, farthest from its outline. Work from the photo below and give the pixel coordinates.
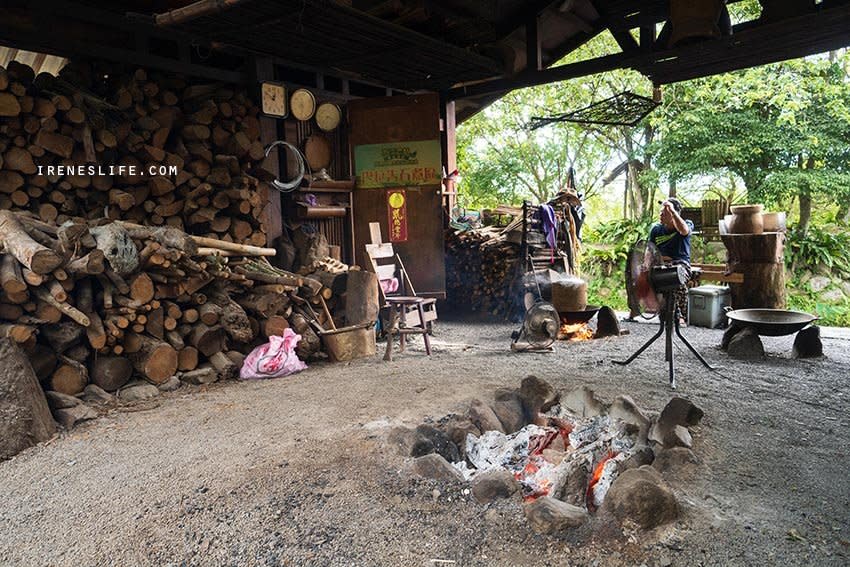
(398, 323)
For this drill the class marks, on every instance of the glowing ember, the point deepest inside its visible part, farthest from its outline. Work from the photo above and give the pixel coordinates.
(575, 332)
(593, 499)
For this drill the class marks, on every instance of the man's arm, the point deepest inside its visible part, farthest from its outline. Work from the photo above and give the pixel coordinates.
(679, 223)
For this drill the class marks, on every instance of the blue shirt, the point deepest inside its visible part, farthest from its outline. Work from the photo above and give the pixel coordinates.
(671, 243)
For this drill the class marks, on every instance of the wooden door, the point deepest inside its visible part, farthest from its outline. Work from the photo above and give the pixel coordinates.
(394, 121)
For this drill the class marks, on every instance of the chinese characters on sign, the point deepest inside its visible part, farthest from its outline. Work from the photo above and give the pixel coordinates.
(398, 164)
(397, 211)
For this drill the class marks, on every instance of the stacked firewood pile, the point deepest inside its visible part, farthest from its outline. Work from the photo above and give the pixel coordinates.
(481, 270)
(146, 148)
(106, 300)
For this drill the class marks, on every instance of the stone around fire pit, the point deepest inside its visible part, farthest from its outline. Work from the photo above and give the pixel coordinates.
(457, 430)
(69, 417)
(583, 402)
(681, 411)
(493, 485)
(746, 345)
(625, 409)
(640, 495)
(484, 417)
(537, 396)
(432, 440)
(436, 467)
(548, 515)
(508, 408)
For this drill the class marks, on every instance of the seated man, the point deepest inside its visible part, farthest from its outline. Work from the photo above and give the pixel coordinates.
(672, 235)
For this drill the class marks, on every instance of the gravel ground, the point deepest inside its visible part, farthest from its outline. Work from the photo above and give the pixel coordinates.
(296, 471)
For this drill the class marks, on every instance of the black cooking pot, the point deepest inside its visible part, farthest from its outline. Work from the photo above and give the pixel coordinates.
(576, 317)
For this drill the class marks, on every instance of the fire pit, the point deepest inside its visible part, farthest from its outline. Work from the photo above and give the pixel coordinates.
(569, 457)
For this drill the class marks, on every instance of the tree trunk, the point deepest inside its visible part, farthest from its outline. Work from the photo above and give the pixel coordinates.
(805, 211)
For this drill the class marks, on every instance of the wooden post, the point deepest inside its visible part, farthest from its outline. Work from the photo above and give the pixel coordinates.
(264, 71)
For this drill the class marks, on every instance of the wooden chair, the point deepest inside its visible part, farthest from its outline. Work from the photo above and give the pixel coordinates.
(403, 312)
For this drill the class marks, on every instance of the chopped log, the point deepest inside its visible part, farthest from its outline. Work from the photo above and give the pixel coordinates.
(274, 325)
(95, 332)
(25, 419)
(225, 367)
(208, 340)
(155, 360)
(155, 324)
(11, 277)
(111, 372)
(141, 288)
(62, 336)
(209, 313)
(27, 251)
(18, 333)
(70, 377)
(187, 358)
(116, 244)
(243, 249)
(175, 339)
(43, 361)
(361, 303)
(71, 312)
(92, 263)
(233, 318)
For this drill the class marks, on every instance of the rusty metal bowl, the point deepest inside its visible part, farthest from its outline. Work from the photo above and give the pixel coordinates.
(771, 322)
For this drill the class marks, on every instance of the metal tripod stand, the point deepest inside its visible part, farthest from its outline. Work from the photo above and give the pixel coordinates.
(669, 322)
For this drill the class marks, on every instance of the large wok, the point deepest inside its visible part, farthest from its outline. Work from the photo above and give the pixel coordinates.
(771, 322)
(576, 317)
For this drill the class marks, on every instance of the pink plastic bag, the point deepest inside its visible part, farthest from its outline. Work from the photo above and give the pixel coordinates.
(274, 359)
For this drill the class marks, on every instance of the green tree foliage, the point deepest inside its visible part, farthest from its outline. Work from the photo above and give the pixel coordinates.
(783, 129)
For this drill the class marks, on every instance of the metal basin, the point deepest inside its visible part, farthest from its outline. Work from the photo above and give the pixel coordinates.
(576, 317)
(772, 322)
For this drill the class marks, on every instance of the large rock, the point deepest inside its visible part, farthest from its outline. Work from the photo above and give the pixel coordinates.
(24, 414)
(436, 467)
(670, 435)
(819, 283)
(640, 495)
(537, 395)
(58, 400)
(483, 417)
(510, 411)
(170, 385)
(548, 515)
(493, 485)
(94, 394)
(807, 343)
(625, 409)
(432, 440)
(583, 402)
(746, 345)
(137, 391)
(69, 417)
(681, 411)
(607, 324)
(458, 429)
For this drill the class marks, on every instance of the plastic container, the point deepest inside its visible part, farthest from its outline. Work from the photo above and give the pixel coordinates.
(706, 305)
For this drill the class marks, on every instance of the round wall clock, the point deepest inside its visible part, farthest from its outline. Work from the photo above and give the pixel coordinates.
(302, 104)
(328, 116)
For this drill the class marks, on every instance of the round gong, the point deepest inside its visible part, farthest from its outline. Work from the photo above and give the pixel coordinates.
(317, 150)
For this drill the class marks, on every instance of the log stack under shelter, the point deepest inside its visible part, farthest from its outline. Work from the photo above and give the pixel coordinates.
(133, 212)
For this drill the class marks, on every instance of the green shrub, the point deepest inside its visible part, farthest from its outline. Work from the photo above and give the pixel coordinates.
(821, 248)
(608, 244)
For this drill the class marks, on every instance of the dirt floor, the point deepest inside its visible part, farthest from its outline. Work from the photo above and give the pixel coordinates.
(296, 471)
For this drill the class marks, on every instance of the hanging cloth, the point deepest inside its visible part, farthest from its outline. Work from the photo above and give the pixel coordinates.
(550, 227)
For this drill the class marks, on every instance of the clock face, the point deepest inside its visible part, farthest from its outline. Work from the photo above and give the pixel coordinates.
(274, 99)
(303, 104)
(328, 116)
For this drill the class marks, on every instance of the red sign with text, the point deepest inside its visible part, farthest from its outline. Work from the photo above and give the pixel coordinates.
(397, 210)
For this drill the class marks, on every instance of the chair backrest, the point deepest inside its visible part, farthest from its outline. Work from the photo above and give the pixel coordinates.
(387, 264)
